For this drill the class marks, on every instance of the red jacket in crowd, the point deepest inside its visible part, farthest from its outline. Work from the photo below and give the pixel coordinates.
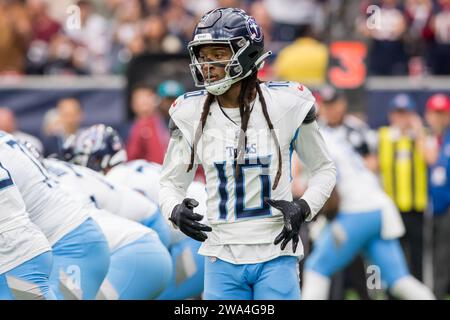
(148, 139)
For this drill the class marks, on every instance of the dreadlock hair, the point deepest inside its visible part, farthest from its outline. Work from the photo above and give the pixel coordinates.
(248, 85)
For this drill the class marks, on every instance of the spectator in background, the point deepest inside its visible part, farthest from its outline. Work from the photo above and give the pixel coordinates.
(44, 29)
(93, 39)
(144, 101)
(8, 124)
(15, 35)
(440, 49)
(149, 136)
(403, 170)
(156, 37)
(387, 53)
(179, 22)
(127, 21)
(288, 16)
(231, 4)
(127, 38)
(259, 11)
(437, 115)
(111, 7)
(51, 125)
(51, 130)
(418, 14)
(305, 60)
(64, 58)
(153, 7)
(168, 91)
(70, 116)
(199, 8)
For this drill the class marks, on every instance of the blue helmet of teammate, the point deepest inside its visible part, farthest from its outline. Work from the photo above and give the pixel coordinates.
(98, 148)
(235, 28)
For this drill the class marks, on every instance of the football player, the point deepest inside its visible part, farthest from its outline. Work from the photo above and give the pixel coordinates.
(243, 132)
(141, 266)
(367, 222)
(80, 250)
(100, 148)
(25, 254)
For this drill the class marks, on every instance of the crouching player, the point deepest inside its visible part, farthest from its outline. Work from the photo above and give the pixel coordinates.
(140, 266)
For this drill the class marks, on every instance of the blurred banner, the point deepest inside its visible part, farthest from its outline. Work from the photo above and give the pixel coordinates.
(380, 90)
(102, 98)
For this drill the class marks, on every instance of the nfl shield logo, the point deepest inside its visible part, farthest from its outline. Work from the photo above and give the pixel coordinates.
(254, 30)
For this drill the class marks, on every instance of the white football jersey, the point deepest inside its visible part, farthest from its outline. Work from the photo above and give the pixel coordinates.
(235, 207)
(140, 175)
(118, 231)
(358, 187)
(48, 205)
(20, 239)
(115, 198)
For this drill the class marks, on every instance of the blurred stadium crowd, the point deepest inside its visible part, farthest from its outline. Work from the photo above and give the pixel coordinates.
(49, 37)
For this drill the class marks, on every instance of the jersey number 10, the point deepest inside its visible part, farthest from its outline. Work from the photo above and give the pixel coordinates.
(240, 188)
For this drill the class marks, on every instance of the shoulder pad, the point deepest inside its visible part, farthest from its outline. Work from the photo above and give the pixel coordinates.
(187, 102)
(185, 113)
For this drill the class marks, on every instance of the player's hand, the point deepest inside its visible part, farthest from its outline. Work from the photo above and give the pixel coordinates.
(294, 214)
(186, 219)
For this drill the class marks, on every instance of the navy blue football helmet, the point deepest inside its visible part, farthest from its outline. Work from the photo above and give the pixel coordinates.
(98, 148)
(235, 28)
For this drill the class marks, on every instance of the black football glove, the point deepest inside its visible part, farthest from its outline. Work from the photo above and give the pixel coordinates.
(294, 214)
(186, 219)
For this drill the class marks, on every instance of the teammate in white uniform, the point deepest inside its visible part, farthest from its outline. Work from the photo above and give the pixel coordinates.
(367, 221)
(140, 175)
(80, 250)
(25, 254)
(99, 148)
(243, 133)
(140, 266)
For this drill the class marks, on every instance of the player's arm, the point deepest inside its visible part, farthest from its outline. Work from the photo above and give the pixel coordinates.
(312, 150)
(174, 182)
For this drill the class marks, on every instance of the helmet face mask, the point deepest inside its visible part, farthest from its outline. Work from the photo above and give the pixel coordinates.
(238, 31)
(232, 66)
